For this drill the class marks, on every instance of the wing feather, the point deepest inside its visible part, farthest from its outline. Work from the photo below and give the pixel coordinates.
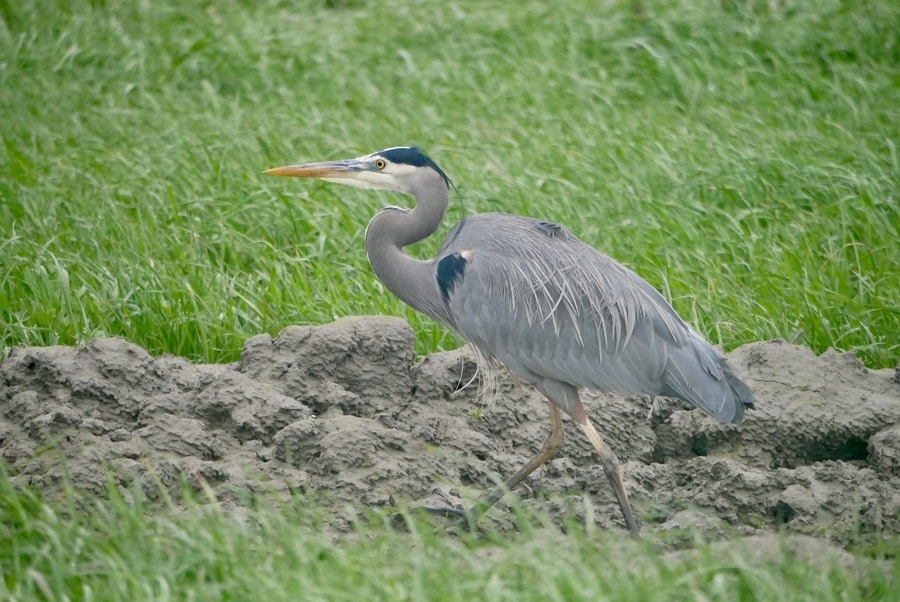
(552, 307)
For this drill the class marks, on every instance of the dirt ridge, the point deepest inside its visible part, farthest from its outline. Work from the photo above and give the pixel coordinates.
(344, 409)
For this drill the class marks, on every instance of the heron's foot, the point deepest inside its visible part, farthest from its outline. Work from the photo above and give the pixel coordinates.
(460, 517)
(457, 512)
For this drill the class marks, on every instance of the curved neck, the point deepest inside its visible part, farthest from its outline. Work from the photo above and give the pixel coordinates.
(412, 280)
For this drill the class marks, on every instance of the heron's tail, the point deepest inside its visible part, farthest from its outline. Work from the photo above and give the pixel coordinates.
(699, 375)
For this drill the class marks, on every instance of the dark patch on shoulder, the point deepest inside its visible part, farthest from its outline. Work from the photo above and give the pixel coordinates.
(450, 270)
(413, 155)
(551, 229)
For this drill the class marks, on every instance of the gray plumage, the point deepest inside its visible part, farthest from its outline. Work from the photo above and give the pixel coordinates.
(551, 307)
(557, 312)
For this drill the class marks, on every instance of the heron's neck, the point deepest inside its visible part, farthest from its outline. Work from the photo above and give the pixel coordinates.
(412, 280)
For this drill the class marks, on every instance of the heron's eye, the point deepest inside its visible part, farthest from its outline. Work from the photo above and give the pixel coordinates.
(380, 164)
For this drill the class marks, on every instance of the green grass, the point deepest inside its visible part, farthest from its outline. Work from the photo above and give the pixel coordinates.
(111, 550)
(741, 155)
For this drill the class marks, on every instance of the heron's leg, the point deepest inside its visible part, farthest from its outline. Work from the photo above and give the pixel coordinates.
(548, 451)
(610, 462)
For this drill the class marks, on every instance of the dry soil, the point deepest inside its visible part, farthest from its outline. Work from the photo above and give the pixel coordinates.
(345, 411)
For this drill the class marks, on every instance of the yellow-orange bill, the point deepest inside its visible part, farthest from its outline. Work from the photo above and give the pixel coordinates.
(327, 169)
(299, 171)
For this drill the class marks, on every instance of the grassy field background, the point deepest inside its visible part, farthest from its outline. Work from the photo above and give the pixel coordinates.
(740, 155)
(742, 158)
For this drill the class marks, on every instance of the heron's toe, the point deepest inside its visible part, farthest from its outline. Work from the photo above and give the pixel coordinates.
(457, 512)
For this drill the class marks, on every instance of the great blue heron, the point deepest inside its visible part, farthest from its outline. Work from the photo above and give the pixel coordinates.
(529, 293)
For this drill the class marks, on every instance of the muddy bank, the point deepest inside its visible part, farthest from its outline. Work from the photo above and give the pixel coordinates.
(343, 410)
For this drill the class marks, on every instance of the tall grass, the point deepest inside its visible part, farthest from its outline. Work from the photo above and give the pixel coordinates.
(112, 550)
(740, 155)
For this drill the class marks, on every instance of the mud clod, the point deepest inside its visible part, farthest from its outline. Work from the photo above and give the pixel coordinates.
(344, 410)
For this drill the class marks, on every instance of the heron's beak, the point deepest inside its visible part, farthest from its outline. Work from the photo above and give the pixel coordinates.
(328, 170)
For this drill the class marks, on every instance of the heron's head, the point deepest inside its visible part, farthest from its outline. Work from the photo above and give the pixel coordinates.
(399, 169)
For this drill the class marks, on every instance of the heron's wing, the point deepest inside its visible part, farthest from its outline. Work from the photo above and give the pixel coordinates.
(549, 306)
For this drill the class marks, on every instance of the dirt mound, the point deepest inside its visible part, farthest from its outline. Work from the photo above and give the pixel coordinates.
(342, 409)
